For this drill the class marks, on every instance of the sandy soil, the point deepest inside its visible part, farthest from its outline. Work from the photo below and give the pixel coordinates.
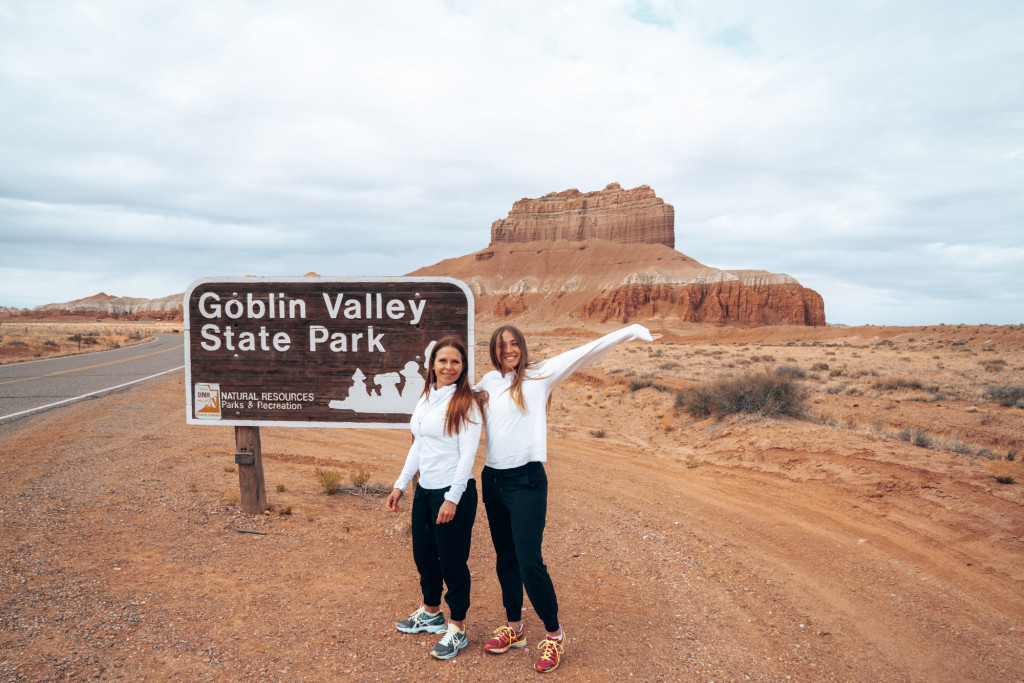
(821, 549)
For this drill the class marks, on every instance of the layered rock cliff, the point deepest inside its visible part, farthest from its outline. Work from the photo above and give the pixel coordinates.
(600, 281)
(612, 214)
(608, 256)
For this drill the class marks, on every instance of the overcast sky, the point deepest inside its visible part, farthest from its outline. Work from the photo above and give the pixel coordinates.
(872, 150)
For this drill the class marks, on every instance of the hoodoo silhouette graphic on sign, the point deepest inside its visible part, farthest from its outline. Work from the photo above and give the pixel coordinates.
(386, 398)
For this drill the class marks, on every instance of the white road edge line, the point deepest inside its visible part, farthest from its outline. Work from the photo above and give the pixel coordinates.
(91, 393)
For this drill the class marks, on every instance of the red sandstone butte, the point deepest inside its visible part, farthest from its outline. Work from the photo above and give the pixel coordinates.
(607, 257)
(613, 214)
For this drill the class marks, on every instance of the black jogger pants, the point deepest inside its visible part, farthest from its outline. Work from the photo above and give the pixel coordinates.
(516, 501)
(441, 550)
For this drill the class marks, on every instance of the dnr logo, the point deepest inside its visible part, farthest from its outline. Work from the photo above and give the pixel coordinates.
(207, 403)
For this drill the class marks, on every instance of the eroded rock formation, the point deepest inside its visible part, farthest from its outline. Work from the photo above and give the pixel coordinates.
(612, 214)
(602, 282)
(107, 306)
(608, 256)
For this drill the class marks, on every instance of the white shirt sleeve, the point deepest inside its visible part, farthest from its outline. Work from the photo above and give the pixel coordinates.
(469, 441)
(412, 466)
(554, 370)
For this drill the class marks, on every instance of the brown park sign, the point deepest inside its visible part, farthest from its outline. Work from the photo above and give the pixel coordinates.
(316, 351)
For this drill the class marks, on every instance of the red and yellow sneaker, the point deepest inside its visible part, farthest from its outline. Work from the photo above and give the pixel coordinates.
(550, 654)
(504, 638)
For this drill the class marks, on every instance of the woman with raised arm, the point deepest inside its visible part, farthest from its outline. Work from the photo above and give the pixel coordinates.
(446, 428)
(515, 486)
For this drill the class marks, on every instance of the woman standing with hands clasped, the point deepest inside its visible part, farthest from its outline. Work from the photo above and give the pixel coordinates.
(446, 428)
(515, 486)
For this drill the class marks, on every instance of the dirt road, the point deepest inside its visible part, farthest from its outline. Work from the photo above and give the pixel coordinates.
(693, 551)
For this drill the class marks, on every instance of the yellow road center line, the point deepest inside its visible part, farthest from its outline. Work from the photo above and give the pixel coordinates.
(90, 367)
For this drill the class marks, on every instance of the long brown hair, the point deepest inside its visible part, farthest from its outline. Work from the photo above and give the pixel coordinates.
(519, 372)
(464, 397)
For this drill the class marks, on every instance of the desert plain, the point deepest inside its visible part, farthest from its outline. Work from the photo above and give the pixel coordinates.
(877, 537)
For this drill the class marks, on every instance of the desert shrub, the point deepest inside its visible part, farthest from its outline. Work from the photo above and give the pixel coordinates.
(90, 341)
(1009, 396)
(819, 366)
(643, 383)
(329, 480)
(791, 371)
(49, 342)
(957, 445)
(359, 479)
(763, 392)
(280, 488)
(1005, 472)
(671, 365)
(916, 436)
(232, 496)
(597, 433)
(894, 383)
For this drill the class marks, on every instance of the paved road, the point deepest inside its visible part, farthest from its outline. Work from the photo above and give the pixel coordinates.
(26, 388)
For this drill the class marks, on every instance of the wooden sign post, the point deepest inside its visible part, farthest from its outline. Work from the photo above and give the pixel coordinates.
(313, 352)
(249, 459)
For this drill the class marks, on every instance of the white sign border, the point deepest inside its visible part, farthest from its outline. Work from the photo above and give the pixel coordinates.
(470, 344)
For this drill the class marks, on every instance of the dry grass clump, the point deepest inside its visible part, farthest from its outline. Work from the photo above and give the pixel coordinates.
(645, 382)
(791, 371)
(895, 383)
(916, 436)
(31, 340)
(359, 480)
(329, 480)
(1008, 396)
(770, 393)
(1004, 471)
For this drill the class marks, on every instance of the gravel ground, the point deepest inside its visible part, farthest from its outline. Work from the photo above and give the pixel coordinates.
(733, 551)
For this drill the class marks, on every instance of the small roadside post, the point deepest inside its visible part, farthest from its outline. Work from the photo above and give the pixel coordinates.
(312, 352)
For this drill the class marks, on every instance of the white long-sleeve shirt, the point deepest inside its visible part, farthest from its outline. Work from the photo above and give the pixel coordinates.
(516, 437)
(441, 460)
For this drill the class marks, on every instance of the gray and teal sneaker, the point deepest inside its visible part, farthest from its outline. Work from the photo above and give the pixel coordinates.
(420, 621)
(451, 642)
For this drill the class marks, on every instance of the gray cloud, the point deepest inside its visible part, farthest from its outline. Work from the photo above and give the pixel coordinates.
(874, 152)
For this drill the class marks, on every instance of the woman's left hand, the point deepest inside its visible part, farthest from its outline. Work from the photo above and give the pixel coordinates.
(446, 513)
(655, 336)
